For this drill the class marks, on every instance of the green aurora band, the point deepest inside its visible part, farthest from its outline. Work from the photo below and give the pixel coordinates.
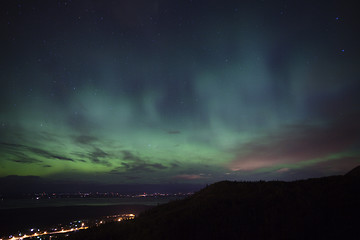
(226, 95)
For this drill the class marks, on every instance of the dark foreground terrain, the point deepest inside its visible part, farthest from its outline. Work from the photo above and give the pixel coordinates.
(321, 208)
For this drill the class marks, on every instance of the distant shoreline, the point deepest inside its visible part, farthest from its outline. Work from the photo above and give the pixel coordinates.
(66, 202)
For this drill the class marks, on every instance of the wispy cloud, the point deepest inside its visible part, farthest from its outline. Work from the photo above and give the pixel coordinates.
(26, 160)
(135, 164)
(16, 149)
(99, 156)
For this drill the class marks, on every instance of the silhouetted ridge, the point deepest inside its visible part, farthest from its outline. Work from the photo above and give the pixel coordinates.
(354, 172)
(319, 208)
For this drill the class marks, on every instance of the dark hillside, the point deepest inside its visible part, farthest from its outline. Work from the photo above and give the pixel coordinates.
(321, 208)
(354, 173)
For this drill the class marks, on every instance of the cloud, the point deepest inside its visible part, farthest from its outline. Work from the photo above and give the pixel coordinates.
(11, 144)
(189, 176)
(98, 153)
(26, 160)
(134, 163)
(61, 158)
(174, 165)
(47, 154)
(95, 155)
(21, 157)
(127, 155)
(296, 144)
(85, 139)
(143, 167)
(18, 149)
(157, 166)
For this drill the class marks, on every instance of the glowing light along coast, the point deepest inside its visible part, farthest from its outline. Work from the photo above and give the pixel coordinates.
(46, 233)
(61, 230)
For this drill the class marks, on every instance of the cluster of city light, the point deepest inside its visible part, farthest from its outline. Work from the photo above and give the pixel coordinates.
(46, 233)
(38, 233)
(126, 217)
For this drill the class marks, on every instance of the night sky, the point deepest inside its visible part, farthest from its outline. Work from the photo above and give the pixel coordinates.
(178, 92)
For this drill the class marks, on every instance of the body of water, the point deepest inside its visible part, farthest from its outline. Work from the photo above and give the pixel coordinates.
(62, 202)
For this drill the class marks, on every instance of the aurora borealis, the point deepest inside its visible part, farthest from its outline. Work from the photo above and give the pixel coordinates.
(167, 92)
